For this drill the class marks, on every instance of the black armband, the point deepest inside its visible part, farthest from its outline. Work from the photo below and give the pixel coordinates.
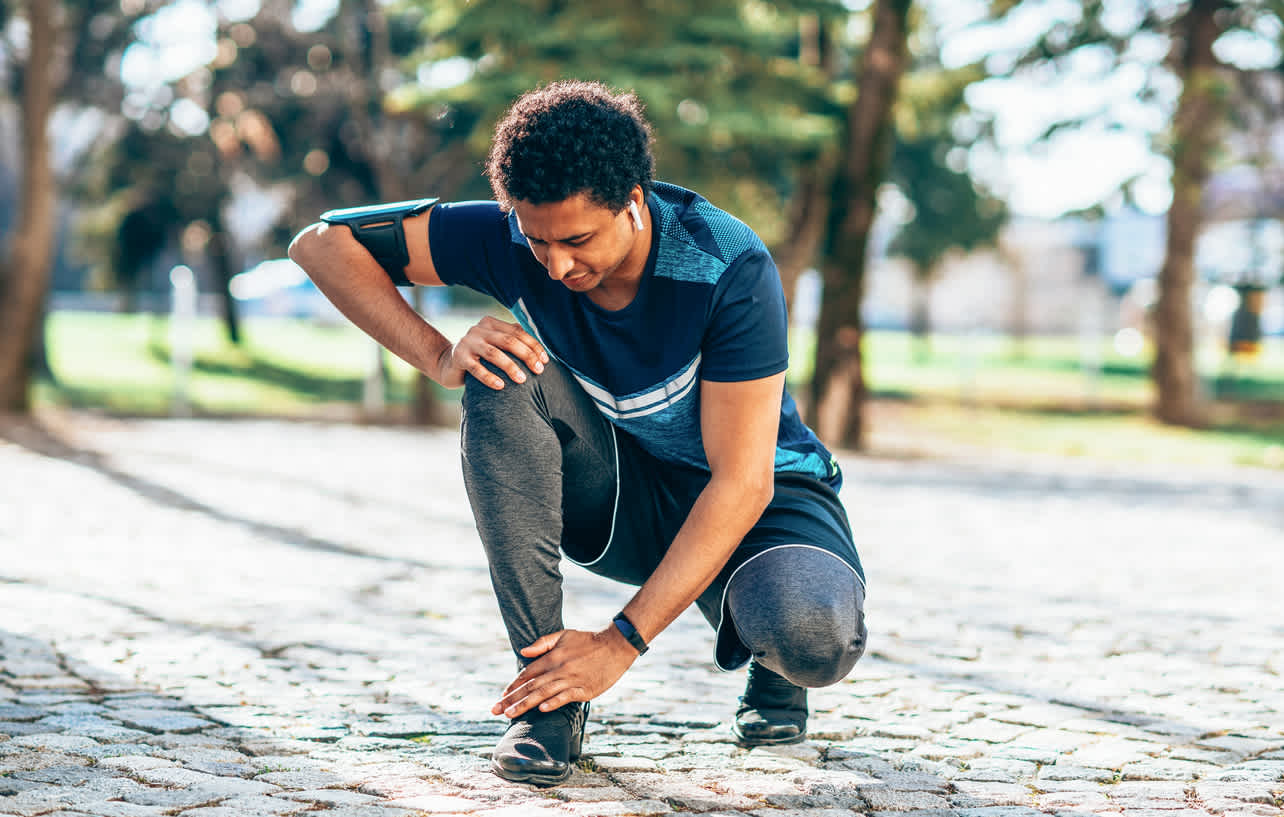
(379, 229)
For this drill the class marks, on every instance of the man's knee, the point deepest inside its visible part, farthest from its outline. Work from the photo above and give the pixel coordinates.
(800, 611)
(480, 397)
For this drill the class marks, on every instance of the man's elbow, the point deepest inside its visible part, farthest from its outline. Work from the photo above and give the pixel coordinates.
(757, 491)
(303, 246)
(766, 490)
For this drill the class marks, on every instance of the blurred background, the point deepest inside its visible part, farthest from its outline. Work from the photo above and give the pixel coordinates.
(1037, 225)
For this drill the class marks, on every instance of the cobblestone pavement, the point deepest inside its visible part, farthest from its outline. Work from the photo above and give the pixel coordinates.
(259, 618)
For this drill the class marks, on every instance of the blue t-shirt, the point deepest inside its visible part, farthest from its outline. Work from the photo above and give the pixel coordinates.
(709, 306)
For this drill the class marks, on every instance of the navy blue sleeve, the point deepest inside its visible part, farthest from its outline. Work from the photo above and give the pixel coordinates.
(472, 246)
(747, 335)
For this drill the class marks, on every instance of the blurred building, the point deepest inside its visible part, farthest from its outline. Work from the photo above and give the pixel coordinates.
(1058, 276)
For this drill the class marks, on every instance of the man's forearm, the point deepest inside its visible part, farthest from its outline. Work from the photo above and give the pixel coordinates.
(360, 289)
(722, 515)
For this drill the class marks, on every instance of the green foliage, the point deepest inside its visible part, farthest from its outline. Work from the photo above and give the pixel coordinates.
(1126, 34)
(733, 108)
(949, 210)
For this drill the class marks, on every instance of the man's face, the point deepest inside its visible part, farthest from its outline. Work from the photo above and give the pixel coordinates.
(579, 242)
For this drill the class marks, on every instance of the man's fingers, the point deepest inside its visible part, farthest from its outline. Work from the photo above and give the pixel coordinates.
(563, 698)
(499, 358)
(542, 644)
(537, 697)
(486, 376)
(525, 348)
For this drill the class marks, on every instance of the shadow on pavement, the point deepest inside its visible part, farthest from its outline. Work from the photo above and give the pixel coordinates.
(39, 440)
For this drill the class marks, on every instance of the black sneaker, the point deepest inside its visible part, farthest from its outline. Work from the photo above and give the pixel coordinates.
(540, 747)
(772, 710)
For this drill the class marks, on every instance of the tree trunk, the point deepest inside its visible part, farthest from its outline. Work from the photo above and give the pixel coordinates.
(220, 255)
(921, 316)
(1195, 132)
(838, 386)
(808, 215)
(25, 283)
(809, 205)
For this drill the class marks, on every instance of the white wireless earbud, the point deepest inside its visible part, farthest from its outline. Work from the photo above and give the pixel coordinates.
(637, 217)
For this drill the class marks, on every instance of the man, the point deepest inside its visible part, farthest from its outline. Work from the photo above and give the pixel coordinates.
(634, 418)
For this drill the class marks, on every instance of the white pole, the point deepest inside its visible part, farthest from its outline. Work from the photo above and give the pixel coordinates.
(181, 325)
(372, 395)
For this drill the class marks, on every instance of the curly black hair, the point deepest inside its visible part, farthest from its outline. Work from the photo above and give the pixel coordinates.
(571, 137)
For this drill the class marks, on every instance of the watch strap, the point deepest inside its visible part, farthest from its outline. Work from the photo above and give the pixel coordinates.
(630, 633)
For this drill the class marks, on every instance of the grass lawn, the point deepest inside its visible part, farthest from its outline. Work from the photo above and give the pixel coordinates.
(1050, 395)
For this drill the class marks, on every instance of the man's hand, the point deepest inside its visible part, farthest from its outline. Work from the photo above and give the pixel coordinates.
(501, 344)
(574, 666)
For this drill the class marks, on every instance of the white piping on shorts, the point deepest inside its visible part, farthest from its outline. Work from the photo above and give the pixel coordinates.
(722, 606)
(615, 510)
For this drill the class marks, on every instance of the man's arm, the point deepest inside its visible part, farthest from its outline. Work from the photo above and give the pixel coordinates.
(360, 288)
(739, 422)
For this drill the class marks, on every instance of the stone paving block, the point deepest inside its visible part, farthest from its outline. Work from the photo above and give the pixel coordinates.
(132, 764)
(1000, 811)
(63, 775)
(1167, 770)
(1159, 812)
(224, 811)
(1113, 753)
(11, 785)
(16, 712)
(621, 808)
(1069, 771)
(160, 720)
(48, 742)
(395, 786)
(990, 731)
(913, 781)
(60, 682)
(681, 792)
(1249, 771)
(953, 749)
(1037, 715)
(842, 757)
(936, 812)
(590, 795)
(438, 804)
(802, 812)
(379, 810)
(997, 770)
(30, 668)
(612, 765)
(1244, 792)
(759, 762)
(1241, 746)
(34, 759)
(880, 798)
(263, 804)
(976, 794)
(1140, 794)
(189, 779)
(1094, 802)
(108, 750)
(330, 797)
(117, 808)
(300, 780)
(11, 729)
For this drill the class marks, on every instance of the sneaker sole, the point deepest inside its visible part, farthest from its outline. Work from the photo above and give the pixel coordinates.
(750, 742)
(541, 780)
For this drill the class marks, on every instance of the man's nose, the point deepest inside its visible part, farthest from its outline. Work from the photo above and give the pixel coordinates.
(560, 263)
